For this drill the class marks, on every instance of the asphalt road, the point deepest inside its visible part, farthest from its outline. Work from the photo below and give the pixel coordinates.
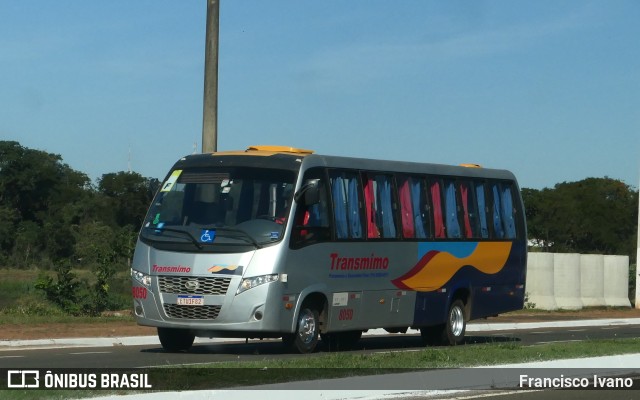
(154, 355)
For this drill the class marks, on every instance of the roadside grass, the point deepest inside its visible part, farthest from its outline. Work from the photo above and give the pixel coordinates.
(345, 364)
(22, 303)
(443, 357)
(16, 285)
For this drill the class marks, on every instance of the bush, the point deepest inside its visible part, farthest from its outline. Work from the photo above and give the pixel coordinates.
(64, 291)
(79, 297)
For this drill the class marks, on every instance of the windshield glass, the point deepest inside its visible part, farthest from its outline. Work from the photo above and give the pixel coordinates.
(200, 209)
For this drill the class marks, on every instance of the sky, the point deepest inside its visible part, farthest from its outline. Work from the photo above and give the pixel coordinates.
(549, 90)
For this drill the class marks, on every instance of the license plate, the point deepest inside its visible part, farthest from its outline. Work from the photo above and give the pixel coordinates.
(191, 300)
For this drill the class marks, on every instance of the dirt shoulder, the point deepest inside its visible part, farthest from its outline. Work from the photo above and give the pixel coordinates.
(73, 330)
(102, 328)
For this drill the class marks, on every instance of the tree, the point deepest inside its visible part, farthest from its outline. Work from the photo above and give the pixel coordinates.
(93, 242)
(28, 243)
(130, 194)
(53, 217)
(46, 208)
(36, 183)
(595, 215)
(8, 219)
(37, 187)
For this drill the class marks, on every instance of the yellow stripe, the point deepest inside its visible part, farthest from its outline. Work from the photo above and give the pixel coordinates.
(488, 257)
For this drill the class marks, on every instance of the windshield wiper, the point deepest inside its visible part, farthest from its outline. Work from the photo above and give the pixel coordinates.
(189, 235)
(239, 234)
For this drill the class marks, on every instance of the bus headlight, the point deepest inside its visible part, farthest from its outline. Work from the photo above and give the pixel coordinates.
(140, 277)
(249, 283)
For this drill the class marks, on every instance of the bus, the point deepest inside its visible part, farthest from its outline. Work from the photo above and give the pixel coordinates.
(280, 242)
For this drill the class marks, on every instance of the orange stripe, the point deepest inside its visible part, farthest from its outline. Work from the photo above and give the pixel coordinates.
(433, 272)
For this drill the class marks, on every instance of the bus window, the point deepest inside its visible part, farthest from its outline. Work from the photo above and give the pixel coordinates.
(171, 207)
(420, 208)
(451, 210)
(311, 222)
(369, 203)
(467, 214)
(412, 207)
(503, 211)
(379, 206)
(436, 199)
(507, 211)
(406, 208)
(482, 210)
(346, 205)
(498, 228)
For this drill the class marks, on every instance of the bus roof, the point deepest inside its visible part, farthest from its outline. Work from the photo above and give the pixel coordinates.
(291, 158)
(409, 167)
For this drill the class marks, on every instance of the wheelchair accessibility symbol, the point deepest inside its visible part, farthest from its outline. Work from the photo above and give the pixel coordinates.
(207, 236)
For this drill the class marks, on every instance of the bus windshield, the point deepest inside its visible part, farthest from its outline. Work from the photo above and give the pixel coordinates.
(201, 209)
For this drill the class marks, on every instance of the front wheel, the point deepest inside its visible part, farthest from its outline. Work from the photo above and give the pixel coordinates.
(175, 340)
(305, 339)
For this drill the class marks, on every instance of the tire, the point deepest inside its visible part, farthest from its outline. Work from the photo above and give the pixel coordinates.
(451, 332)
(175, 340)
(456, 324)
(305, 339)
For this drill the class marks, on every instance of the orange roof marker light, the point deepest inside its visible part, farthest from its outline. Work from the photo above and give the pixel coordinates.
(265, 151)
(471, 165)
(279, 149)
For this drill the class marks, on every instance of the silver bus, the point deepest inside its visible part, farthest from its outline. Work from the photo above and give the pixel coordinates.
(277, 241)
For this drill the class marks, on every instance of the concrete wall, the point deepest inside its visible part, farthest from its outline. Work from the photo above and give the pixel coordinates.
(592, 280)
(571, 281)
(540, 285)
(616, 281)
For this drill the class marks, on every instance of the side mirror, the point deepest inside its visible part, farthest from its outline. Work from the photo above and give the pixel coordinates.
(309, 193)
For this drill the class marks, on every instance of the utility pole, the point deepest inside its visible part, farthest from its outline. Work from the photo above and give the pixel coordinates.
(210, 101)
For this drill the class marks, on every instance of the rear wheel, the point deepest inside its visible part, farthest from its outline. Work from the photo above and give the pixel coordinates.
(175, 340)
(456, 324)
(305, 338)
(449, 333)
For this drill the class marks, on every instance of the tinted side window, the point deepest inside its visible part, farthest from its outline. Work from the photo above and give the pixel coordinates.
(437, 211)
(508, 211)
(451, 210)
(469, 210)
(483, 209)
(503, 211)
(345, 193)
(311, 224)
(379, 206)
(413, 207)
